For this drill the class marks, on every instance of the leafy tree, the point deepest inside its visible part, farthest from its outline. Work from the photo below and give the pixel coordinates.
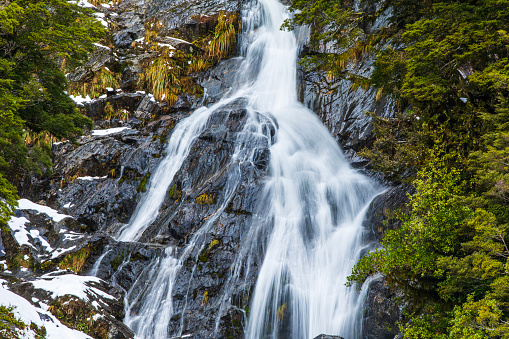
(39, 40)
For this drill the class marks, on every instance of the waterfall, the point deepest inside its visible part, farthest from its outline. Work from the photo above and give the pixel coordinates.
(309, 218)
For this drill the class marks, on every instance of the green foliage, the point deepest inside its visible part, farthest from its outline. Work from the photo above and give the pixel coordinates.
(75, 261)
(225, 36)
(143, 183)
(39, 40)
(429, 232)
(205, 199)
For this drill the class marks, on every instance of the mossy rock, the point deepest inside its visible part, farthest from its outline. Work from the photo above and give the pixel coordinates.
(205, 199)
(75, 261)
(77, 314)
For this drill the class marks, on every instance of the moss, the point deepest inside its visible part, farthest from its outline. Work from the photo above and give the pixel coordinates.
(44, 266)
(213, 243)
(9, 324)
(204, 257)
(281, 310)
(175, 194)
(137, 257)
(205, 199)
(206, 297)
(143, 183)
(236, 323)
(117, 261)
(75, 313)
(75, 261)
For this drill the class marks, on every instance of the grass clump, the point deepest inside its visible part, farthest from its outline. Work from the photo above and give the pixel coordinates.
(75, 261)
(97, 84)
(143, 183)
(225, 36)
(205, 199)
(175, 193)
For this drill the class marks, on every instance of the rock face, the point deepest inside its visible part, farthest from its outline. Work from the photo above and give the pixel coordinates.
(382, 312)
(379, 216)
(343, 111)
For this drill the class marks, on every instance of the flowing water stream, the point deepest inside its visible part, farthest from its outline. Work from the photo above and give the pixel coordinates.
(309, 218)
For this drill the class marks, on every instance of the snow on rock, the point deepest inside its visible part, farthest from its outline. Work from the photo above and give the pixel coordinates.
(24, 236)
(71, 284)
(91, 178)
(79, 100)
(28, 313)
(100, 17)
(103, 132)
(25, 204)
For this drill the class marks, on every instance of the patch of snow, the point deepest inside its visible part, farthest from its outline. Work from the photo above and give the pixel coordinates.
(28, 313)
(91, 178)
(141, 92)
(99, 16)
(25, 204)
(70, 236)
(103, 96)
(80, 100)
(20, 233)
(59, 251)
(68, 205)
(109, 89)
(465, 100)
(165, 45)
(100, 46)
(70, 284)
(96, 316)
(84, 3)
(103, 132)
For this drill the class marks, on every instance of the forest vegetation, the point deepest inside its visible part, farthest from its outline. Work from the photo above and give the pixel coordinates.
(446, 66)
(40, 41)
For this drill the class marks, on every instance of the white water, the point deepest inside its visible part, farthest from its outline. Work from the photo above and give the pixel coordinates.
(311, 215)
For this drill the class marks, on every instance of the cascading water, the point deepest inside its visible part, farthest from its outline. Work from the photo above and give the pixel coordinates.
(310, 218)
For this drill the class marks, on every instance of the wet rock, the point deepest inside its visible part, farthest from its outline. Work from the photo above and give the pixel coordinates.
(130, 78)
(324, 336)
(123, 39)
(127, 101)
(381, 311)
(2, 248)
(147, 108)
(380, 215)
(342, 110)
(220, 80)
(102, 56)
(179, 14)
